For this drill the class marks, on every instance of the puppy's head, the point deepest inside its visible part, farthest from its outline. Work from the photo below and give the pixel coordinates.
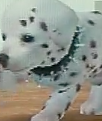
(37, 33)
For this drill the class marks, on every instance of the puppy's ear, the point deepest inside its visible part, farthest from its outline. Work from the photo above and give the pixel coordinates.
(63, 30)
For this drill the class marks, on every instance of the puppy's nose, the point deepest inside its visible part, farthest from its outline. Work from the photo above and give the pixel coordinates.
(4, 60)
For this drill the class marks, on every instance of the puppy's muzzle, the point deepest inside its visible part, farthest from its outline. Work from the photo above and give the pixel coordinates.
(4, 60)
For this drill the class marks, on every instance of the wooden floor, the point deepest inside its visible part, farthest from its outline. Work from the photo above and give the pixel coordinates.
(20, 106)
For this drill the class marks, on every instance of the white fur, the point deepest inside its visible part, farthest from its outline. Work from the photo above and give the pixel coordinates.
(25, 56)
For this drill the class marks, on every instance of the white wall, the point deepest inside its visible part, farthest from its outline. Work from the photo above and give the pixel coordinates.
(98, 5)
(80, 5)
(77, 5)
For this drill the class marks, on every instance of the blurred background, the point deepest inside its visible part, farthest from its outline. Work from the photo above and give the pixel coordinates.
(77, 5)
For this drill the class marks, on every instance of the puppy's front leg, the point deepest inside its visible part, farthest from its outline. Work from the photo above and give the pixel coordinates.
(8, 81)
(93, 105)
(56, 106)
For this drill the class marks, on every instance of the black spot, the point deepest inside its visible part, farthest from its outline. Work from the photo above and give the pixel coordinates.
(96, 12)
(33, 10)
(84, 57)
(94, 71)
(29, 73)
(66, 68)
(99, 84)
(4, 37)
(59, 115)
(43, 26)
(92, 23)
(53, 59)
(43, 107)
(50, 96)
(49, 52)
(90, 76)
(23, 22)
(55, 30)
(92, 67)
(92, 44)
(94, 55)
(78, 87)
(43, 62)
(63, 84)
(59, 33)
(69, 103)
(44, 45)
(31, 19)
(87, 66)
(56, 77)
(100, 66)
(61, 91)
(62, 49)
(72, 74)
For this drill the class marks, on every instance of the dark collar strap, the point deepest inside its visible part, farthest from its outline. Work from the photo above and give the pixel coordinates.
(63, 63)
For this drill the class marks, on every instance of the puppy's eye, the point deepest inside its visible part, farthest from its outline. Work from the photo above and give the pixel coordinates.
(27, 38)
(4, 37)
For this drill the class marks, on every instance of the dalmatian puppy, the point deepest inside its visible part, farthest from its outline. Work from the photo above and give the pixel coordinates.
(47, 41)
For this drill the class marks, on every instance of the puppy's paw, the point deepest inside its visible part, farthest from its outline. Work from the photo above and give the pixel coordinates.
(45, 117)
(90, 108)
